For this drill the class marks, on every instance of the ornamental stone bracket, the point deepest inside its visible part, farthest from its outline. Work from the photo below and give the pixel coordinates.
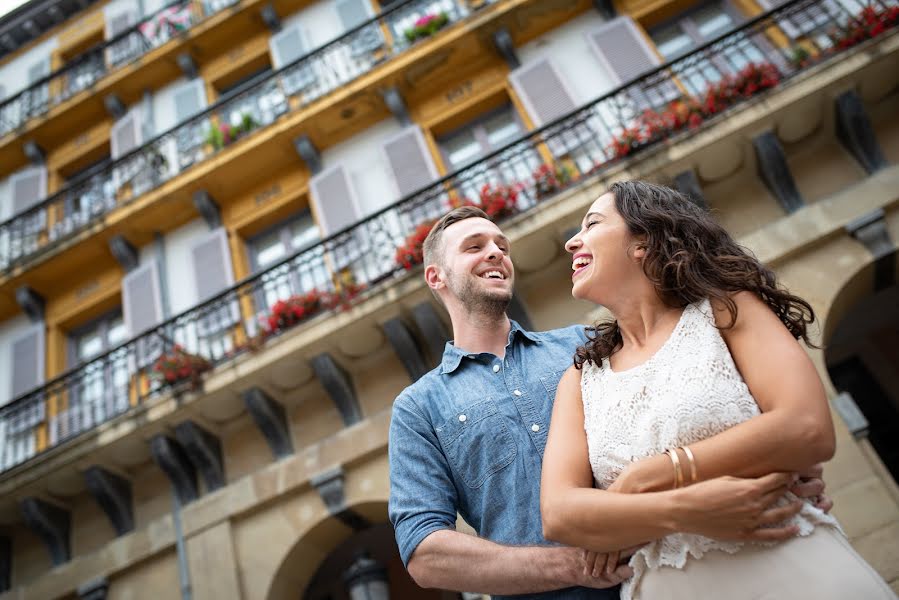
(124, 252)
(95, 589)
(775, 172)
(172, 459)
(396, 104)
(855, 133)
(339, 386)
(432, 329)
(31, 303)
(505, 47)
(208, 208)
(5, 564)
(271, 420)
(309, 153)
(330, 487)
(113, 494)
(50, 523)
(518, 311)
(204, 451)
(406, 347)
(871, 231)
(687, 183)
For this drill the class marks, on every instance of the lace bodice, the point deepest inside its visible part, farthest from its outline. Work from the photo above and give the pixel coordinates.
(689, 390)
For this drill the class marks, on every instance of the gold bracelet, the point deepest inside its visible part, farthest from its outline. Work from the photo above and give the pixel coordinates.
(692, 460)
(678, 474)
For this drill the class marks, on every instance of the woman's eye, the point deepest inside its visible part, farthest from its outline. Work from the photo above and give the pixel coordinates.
(591, 224)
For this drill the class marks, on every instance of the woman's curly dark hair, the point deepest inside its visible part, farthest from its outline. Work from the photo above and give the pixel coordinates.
(690, 257)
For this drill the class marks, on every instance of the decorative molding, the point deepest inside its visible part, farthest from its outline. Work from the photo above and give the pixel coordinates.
(851, 414)
(95, 589)
(114, 106)
(34, 153)
(271, 420)
(173, 461)
(50, 523)
(329, 485)
(124, 252)
(406, 347)
(397, 105)
(871, 231)
(502, 41)
(519, 312)
(205, 452)
(270, 18)
(5, 564)
(605, 8)
(775, 172)
(855, 132)
(687, 183)
(432, 330)
(208, 208)
(188, 65)
(31, 303)
(113, 494)
(339, 386)
(309, 153)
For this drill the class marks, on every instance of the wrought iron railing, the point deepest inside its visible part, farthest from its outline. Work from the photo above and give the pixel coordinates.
(262, 101)
(89, 67)
(514, 179)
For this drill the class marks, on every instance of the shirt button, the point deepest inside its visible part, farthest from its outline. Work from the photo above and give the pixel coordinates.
(517, 392)
(462, 418)
(535, 428)
(496, 368)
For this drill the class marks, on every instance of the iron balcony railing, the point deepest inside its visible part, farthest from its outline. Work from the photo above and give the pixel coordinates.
(94, 193)
(88, 68)
(710, 83)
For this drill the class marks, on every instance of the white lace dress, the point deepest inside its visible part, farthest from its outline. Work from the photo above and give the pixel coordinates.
(688, 391)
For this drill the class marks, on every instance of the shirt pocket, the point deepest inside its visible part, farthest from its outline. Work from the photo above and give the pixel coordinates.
(551, 383)
(477, 443)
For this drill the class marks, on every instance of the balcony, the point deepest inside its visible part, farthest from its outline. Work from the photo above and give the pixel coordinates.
(92, 197)
(700, 95)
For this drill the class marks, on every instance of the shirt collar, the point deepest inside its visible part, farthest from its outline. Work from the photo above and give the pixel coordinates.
(452, 356)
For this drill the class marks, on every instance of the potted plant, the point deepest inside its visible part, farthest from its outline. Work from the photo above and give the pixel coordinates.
(299, 307)
(498, 200)
(550, 179)
(224, 134)
(180, 365)
(411, 252)
(426, 26)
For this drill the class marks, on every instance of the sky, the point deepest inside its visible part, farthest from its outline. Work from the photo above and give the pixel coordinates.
(8, 5)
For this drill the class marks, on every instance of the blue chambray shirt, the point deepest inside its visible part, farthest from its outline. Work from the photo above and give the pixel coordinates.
(469, 437)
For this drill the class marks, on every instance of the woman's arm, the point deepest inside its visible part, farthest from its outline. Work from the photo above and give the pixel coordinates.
(604, 521)
(793, 432)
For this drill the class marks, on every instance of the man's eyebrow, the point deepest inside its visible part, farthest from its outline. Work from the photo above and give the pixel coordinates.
(478, 236)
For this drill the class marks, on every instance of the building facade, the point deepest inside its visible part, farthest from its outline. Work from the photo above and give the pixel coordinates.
(210, 223)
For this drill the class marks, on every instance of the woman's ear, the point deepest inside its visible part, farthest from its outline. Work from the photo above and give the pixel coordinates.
(639, 248)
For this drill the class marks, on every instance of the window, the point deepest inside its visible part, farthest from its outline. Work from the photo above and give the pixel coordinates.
(89, 198)
(101, 389)
(691, 30)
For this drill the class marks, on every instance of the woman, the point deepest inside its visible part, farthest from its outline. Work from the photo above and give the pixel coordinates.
(698, 376)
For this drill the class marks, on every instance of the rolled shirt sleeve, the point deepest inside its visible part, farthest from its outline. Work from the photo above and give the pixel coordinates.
(423, 496)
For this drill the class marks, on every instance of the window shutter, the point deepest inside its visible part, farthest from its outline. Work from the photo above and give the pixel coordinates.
(29, 187)
(622, 48)
(142, 309)
(335, 202)
(542, 91)
(190, 99)
(38, 71)
(353, 13)
(410, 162)
(287, 46)
(128, 46)
(28, 361)
(214, 273)
(126, 134)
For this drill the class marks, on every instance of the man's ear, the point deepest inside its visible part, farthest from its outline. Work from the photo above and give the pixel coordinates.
(434, 277)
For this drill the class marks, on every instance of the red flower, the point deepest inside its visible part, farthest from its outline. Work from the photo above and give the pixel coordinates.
(411, 253)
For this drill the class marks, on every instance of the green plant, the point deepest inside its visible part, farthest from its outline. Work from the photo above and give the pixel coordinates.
(426, 26)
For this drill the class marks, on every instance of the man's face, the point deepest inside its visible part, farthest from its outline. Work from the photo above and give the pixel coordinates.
(476, 268)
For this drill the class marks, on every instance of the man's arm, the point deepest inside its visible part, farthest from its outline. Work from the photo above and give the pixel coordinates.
(423, 506)
(794, 431)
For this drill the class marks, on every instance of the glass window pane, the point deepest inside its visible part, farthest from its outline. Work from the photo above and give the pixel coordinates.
(501, 129)
(462, 148)
(117, 333)
(672, 41)
(89, 345)
(304, 233)
(269, 249)
(712, 21)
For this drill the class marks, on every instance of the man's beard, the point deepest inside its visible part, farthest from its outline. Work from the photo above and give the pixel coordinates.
(478, 300)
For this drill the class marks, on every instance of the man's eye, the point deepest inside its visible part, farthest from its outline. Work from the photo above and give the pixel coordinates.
(474, 247)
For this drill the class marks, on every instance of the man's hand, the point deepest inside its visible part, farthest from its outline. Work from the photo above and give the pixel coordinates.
(596, 571)
(811, 487)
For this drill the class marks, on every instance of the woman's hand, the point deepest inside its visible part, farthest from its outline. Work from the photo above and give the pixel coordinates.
(652, 474)
(731, 508)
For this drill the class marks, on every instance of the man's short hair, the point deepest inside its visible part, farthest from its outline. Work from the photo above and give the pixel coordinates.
(432, 248)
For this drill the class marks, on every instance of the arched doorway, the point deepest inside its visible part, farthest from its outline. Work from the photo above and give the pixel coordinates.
(862, 358)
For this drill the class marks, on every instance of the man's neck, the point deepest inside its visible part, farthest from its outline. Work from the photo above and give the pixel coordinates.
(476, 333)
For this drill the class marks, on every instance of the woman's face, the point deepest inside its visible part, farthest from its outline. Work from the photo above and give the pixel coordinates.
(604, 253)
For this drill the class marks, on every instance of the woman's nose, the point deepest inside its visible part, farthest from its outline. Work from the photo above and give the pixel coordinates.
(573, 244)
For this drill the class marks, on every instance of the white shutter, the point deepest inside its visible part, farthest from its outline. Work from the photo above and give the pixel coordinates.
(353, 13)
(410, 162)
(38, 70)
(623, 50)
(29, 187)
(142, 299)
(286, 46)
(27, 361)
(189, 99)
(126, 134)
(542, 91)
(129, 46)
(336, 206)
(39, 96)
(214, 273)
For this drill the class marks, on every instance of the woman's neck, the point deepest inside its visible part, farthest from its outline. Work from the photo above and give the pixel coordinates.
(641, 316)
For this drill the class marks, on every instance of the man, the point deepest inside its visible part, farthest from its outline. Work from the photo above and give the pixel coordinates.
(468, 437)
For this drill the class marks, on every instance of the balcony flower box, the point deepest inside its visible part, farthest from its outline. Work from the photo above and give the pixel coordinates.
(294, 310)
(867, 24)
(225, 134)
(179, 365)
(497, 200)
(426, 26)
(411, 252)
(550, 179)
